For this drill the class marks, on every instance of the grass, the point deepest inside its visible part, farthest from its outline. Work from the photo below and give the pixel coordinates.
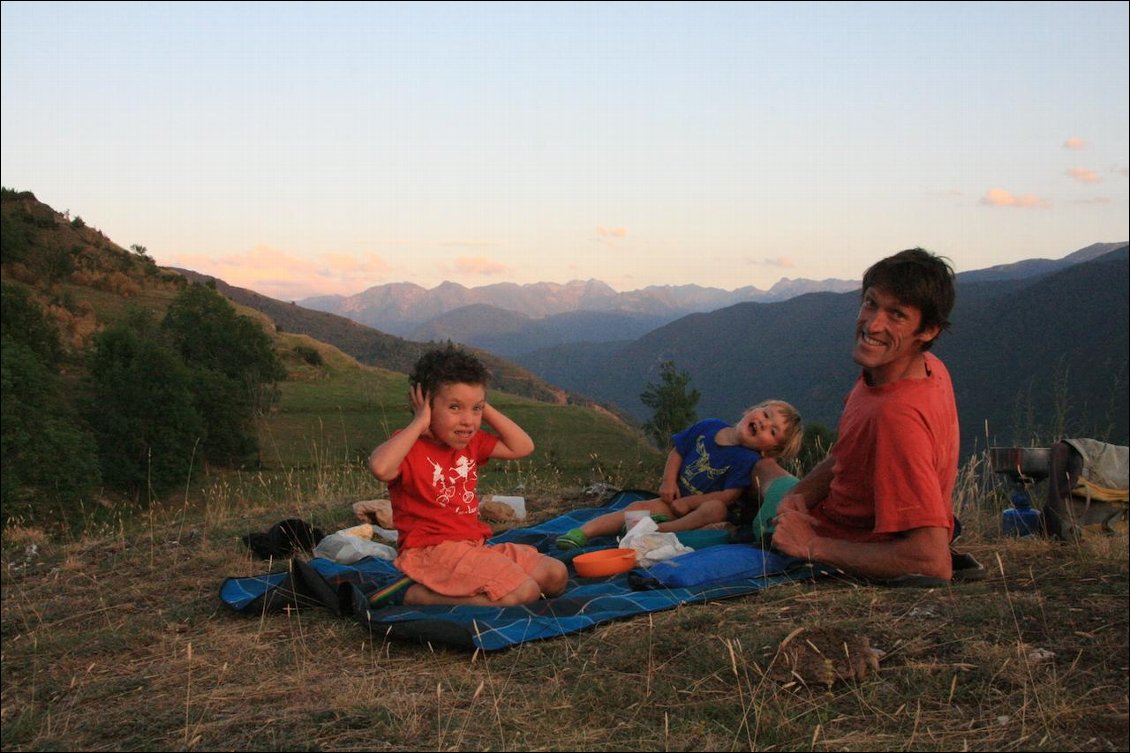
(113, 636)
(116, 640)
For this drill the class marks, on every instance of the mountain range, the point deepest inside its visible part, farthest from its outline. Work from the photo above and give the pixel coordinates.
(530, 313)
(513, 320)
(1038, 349)
(1031, 355)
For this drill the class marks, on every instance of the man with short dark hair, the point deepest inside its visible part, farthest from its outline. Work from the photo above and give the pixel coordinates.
(879, 505)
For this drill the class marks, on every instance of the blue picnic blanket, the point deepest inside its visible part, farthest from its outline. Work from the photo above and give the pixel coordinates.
(711, 574)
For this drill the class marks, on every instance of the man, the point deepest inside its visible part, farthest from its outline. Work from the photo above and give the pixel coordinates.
(879, 505)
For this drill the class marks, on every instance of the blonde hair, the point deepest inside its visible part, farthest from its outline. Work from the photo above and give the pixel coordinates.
(789, 446)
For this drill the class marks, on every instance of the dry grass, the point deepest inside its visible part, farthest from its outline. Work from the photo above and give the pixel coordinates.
(117, 641)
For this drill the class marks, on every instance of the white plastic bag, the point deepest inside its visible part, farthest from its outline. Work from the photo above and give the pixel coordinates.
(652, 546)
(347, 548)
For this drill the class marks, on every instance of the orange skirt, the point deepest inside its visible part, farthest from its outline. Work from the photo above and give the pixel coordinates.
(469, 568)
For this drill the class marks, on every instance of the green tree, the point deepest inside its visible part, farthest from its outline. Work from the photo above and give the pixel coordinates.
(235, 369)
(673, 402)
(142, 407)
(47, 460)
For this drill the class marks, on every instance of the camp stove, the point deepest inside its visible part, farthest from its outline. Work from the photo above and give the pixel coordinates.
(1024, 467)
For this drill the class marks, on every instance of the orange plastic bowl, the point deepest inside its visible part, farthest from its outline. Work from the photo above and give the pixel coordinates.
(604, 562)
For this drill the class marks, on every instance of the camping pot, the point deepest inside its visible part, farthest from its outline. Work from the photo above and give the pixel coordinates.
(1021, 462)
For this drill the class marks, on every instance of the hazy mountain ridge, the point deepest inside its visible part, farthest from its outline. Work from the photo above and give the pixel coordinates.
(473, 316)
(1019, 351)
(402, 308)
(1033, 267)
(510, 334)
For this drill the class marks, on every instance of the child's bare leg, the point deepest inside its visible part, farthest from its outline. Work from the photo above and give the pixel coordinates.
(710, 511)
(610, 524)
(551, 575)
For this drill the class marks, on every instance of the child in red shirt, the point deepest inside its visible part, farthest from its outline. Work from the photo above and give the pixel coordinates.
(431, 468)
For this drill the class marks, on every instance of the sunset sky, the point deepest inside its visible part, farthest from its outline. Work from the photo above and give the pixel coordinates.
(304, 149)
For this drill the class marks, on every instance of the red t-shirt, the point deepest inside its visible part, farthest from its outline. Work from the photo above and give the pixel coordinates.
(896, 459)
(433, 498)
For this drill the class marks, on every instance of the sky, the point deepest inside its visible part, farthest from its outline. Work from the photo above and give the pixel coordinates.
(302, 149)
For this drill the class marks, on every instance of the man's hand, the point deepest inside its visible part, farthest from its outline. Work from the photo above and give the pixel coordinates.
(795, 528)
(669, 492)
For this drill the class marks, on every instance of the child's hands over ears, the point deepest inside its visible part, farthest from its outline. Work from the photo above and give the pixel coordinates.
(421, 404)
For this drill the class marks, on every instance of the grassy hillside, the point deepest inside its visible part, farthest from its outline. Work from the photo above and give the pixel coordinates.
(376, 348)
(336, 414)
(331, 414)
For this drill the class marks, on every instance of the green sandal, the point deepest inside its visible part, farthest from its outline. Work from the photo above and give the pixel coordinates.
(574, 539)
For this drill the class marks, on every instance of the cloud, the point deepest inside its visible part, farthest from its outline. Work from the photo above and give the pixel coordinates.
(610, 235)
(998, 197)
(1096, 201)
(1123, 171)
(780, 262)
(1074, 143)
(280, 275)
(1084, 175)
(479, 265)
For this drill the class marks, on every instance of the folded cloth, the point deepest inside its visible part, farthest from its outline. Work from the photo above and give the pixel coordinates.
(1104, 464)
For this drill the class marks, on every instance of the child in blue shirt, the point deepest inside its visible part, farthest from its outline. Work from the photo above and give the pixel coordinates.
(708, 468)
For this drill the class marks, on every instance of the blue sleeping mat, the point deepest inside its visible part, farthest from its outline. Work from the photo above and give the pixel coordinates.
(719, 572)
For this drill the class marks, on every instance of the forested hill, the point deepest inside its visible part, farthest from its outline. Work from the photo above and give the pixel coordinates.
(375, 348)
(138, 377)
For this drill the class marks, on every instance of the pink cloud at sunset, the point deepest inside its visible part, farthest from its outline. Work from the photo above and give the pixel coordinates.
(480, 266)
(780, 262)
(999, 197)
(1074, 143)
(1084, 175)
(610, 235)
(280, 275)
(611, 232)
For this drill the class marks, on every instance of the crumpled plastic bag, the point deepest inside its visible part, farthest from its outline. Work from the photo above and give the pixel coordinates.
(347, 548)
(651, 545)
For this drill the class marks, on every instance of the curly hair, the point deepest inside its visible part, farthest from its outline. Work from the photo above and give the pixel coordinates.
(448, 365)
